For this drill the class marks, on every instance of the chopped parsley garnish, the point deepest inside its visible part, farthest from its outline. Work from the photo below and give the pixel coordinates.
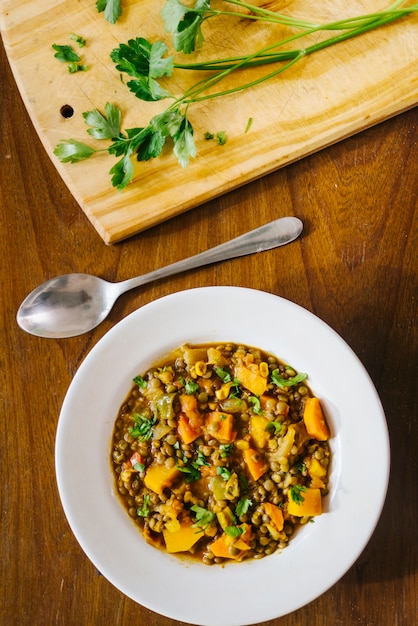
(225, 449)
(143, 510)
(242, 506)
(203, 517)
(141, 382)
(191, 386)
(65, 54)
(295, 493)
(224, 472)
(274, 427)
(78, 39)
(286, 382)
(256, 405)
(234, 531)
(192, 472)
(143, 427)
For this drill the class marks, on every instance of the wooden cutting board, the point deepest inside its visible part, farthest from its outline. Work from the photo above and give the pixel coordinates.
(324, 98)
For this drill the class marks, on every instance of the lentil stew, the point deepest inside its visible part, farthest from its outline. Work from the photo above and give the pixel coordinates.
(221, 452)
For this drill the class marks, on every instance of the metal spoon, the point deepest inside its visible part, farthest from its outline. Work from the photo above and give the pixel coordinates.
(73, 304)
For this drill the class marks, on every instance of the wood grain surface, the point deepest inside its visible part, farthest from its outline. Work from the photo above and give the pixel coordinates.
(355, 267)
(320, 100)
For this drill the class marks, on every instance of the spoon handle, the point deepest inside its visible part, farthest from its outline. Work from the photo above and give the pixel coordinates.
(271, 235)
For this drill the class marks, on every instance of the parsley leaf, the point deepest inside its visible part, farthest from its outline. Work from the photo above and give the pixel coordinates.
(203, 517)
(191, 386)
(192, 472)
(274, 427)
(295, 493)
(73, 151)
(143, 510)
(225, 449)
(65, 54)
(224, 472)
(79, 39)
(286, 382)
(143, 427)
(234, 531)
(141, 382)
(104, 126)
(144, 61)
(112, 9)
(242, 506)
(185, 23)
(256, 405)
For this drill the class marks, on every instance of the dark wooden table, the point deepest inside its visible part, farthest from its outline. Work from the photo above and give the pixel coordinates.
(355, 267)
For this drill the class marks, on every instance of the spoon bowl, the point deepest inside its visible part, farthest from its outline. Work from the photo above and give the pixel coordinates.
(73, 304)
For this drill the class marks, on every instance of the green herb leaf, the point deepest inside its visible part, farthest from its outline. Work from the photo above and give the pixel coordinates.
(191, 471)
(104, 126)
(112, 9)
(141, 382)
(274, 427)
(226, 449)
(143, 427)
(201, 460)
(223, 374)
(143, 510)
(295, 493)
(65, 54)
(203, 517)
(185, 23)
(221, 138)
(191, 386)
(234, 531)
(73, 151)
(138, 467)
(286, 382)
(224, 472)
(242, 506)
(73, 68)
(256, 405)
(184, 145)
(122, 172)
(144, 61)
(79, 39)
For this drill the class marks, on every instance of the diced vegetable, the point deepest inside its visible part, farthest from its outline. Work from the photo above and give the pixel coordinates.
(190, 421)
(256, 463)
(181, 540)
(225, 517)
(258, 430)
(275, 514)
(286, 444)
(215, 357)
(251, 380)
(193, 355)
(221, 426)
(314, 419)
(310, 505)
(317, 472)
(228, 547)
(158, 477)
(187, 432)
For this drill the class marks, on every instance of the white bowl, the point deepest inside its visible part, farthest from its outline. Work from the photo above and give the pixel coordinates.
(236, 594)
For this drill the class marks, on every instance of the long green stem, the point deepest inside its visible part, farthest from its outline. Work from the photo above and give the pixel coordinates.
(292, 56)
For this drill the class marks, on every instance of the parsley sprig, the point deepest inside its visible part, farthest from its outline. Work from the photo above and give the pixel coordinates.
(146, 63)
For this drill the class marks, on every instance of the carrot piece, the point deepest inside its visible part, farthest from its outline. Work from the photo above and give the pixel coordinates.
(186, 431)
(181, 540)
(251, 380)
(311, 505)
(221, 426)
(275, 514)
(158, 477)
(314, 419)
(255, 463)
(227, 547)
(189, 424)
